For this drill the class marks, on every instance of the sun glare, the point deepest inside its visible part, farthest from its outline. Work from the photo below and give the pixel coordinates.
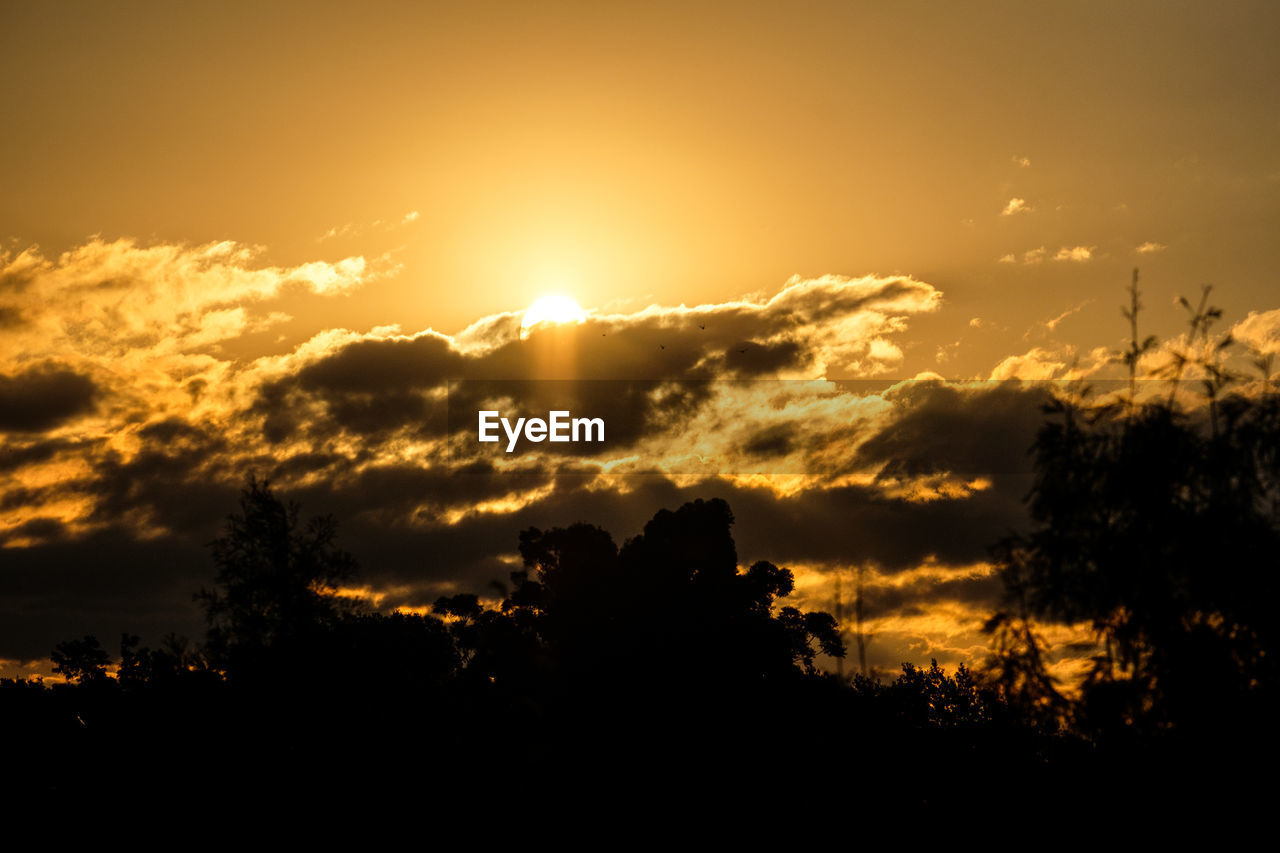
(552, 309)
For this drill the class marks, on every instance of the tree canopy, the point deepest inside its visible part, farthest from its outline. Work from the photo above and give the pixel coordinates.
(1156, 521)
(273, 582)
(671, 604)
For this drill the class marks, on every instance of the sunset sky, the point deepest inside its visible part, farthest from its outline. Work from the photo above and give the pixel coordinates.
(265, 236)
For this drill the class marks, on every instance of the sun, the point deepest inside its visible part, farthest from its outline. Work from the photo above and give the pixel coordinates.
(554, 308)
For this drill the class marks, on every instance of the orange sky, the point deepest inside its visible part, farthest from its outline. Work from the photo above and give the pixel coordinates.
(227, 229)
(663, 152)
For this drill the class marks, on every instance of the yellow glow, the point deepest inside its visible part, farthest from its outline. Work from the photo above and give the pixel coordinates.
(553, 308)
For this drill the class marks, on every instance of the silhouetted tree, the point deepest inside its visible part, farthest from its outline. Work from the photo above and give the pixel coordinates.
(1158, 525)
(670, 606)
(135, 662)
(493, 647)
(83, 661)
(937, 699)
(275, 576)
(177, 660)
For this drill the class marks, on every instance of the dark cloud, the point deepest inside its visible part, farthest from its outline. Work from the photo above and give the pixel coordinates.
(841, 526)
(777, 440)
(18, 455)
(860, 524)
(380, 366)
(42, 397)
(275, 408)
(983, 431)
(21, 496)
(36, 528)
(380, 413)
(981, 591)
(102, 583)
(751, 358)
(379, 386)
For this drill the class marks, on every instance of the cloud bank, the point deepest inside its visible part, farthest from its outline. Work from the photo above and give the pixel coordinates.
(126, 432)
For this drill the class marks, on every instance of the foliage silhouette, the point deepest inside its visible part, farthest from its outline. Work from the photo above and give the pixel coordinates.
(272, 588)
(83, 661)
(669, 606)
(1156, 523)
(176, 661)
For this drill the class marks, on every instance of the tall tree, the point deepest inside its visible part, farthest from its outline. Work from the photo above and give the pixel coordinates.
(274, 582)
(1156, 522)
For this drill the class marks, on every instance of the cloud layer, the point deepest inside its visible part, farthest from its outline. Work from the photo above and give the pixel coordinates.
(126, 432)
